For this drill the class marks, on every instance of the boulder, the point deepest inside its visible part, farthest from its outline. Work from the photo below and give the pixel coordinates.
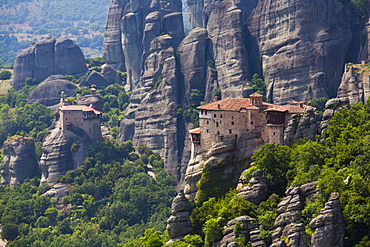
(49, 57)
(95, 78)
(256, 190)
(49, 92)
(19, 161)
(302, 46)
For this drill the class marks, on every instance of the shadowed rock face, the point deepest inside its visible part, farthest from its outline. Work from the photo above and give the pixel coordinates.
(302, 45)
(58, 157)
(225, 28)
(19, 160)
(48, 92)
(49, 57)
(256, 191)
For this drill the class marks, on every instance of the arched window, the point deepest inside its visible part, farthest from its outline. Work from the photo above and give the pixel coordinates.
(230, 131)
(216, 124)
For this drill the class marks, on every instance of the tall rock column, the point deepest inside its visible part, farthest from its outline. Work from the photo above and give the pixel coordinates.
(112, 46)
(179, 223)
(225, 28)
(302, 46)
(328, 228)
(19, 160)
(151, 117)
(195, 9)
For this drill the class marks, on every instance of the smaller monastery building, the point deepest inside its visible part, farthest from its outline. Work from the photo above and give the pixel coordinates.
(84, 117)
(233, 117)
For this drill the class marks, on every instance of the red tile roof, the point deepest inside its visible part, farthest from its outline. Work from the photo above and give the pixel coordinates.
(237, 104)
(195, 131)
(79, 108)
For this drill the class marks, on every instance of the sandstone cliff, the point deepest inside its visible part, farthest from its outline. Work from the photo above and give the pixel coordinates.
(302, 46)
(49, 57)
(19, 160)
(58, 154)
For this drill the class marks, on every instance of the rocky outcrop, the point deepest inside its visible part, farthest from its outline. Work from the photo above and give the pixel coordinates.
(58, 155)
(19, 161)
(225, 28)
(256, 191)
(151, 117)
(58, 191)
(228, 157)
(328, 228)
(301, 126)
(110, 74)
(49, 57)
(179, 223)
(49, 92)
(248, 231)
(290, 213)
(331, 107)
(95, 78)
(195, 9)
(93, 99)
(355, 84)
(302, 46)
(364, 39)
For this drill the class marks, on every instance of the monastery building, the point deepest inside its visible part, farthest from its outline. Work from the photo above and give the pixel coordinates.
(233, 117)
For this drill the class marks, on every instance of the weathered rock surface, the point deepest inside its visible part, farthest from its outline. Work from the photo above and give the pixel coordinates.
(95, 100)
(226, 150)
(112, 46)
(332, 106)
(49, 92)
(364, 41)
(355, 84)
(57, 157)
(301, 126)
(49, 57)
(58, 191)
(302, 45)
(248, 225)
(179, 223)
(290, 209)
(192, 53)
(151, 117)
(328, 228)
(225, 28)
(110, 74)
(256, 192)
(195, 11)
(19, 161)
(95, 78)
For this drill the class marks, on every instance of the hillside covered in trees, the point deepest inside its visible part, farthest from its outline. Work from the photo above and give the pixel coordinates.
(26, 21)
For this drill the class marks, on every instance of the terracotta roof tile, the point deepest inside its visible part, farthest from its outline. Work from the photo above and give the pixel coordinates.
(238, 104)
(79, 108)
(195, 131)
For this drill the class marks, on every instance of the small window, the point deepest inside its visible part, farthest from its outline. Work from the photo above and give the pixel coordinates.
(252, 122)
(214, 115)
(207, 131)
(232, 117)
(216, 124)
(274, 133)
(218, 132)
(230, 131)
(66, 118)
(207, 122)
(221, 116)
(232, 123)
(201, 111)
